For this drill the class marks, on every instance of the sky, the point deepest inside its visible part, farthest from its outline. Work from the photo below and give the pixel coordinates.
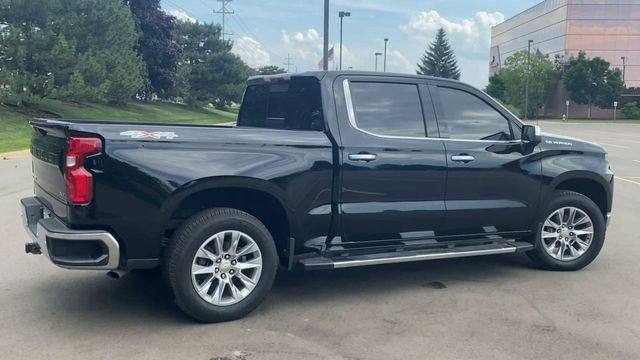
(265, 32)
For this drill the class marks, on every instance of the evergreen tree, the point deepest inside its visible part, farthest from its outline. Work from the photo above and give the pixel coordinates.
(208, 72)
(75, 50)
(439, 59)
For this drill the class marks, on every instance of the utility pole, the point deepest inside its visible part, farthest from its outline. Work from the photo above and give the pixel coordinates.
(384, 67)
(526, 86)
(325, 45)
(288, 63)
(342, 14)
(377, 54)
(224, 11)
(624, 66)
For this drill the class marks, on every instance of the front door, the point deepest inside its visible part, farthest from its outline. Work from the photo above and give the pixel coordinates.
(493, 178)
(392, 174)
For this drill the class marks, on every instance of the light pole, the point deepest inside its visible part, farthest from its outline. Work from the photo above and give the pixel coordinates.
(342, 14)
(526, 86)
(384, 66)
(325, 44)
(377, 54)
(624, 66)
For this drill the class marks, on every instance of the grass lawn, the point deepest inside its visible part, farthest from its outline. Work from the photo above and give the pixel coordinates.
(15, 131)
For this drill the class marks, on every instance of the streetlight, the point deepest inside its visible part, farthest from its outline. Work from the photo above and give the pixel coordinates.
(526, 86)
(325, 42)
(386, 40)
(377, 54)
(624, 66)
(342, 14)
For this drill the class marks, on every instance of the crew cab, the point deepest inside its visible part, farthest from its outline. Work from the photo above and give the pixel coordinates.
(323, 170)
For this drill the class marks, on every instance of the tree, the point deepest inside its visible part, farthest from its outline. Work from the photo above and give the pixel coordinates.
(439, 59)
(514, 77)
(157, 46)
(592, 81)
(270, 70)
(495, 88)
(76, 50)
(209, 73)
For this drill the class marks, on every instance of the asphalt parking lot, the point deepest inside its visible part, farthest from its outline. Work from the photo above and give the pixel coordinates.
(497, 307)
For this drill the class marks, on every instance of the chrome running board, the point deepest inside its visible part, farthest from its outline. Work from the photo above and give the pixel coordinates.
(338, 262)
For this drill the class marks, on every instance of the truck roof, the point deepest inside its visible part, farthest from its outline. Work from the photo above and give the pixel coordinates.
(259, 79)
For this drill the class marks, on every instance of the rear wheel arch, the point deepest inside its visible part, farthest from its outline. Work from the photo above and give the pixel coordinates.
(254, 198)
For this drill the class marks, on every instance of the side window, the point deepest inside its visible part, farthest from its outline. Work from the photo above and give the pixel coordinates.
(465, 116)
(389, 109)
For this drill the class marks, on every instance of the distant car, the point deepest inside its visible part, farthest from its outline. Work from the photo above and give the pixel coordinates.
(324, 170)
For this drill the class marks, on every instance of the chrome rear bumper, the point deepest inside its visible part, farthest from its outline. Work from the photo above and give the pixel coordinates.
(65, 247)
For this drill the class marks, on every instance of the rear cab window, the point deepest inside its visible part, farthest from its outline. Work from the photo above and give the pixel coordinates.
(294, 104)
(387, 109)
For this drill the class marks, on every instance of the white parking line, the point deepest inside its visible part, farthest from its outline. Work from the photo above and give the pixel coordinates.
(627, 180)
(618, 146)
(624, 140)
(638, 161)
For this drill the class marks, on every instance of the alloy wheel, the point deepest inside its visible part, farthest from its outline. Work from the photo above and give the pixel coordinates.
(226, 268)
(567, 233)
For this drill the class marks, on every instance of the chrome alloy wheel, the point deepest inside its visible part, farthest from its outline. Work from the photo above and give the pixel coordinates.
(567, 233)
(226, 268)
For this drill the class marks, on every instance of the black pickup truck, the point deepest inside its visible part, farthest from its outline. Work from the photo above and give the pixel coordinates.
(324, 170)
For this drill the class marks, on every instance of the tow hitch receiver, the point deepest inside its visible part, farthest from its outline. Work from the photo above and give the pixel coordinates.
(32, 248)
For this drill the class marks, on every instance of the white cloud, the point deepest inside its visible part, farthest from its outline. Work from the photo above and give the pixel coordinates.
(182, 16)
(307, 47)
(251, 51)
(397, 6)
(397, 62)
(469, 35)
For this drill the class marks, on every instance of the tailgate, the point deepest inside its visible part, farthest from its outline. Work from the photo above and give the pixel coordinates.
(48, 143)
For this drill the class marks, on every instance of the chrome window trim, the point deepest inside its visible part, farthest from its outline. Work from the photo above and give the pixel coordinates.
(352, 121)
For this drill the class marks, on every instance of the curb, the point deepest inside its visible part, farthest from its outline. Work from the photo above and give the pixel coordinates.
(14, 154)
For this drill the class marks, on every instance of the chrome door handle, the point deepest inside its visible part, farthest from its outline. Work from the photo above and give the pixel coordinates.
(462, 158)
(362, 157)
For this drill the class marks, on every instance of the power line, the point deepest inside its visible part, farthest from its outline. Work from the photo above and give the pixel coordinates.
(224, 11)
(176, 6)
(247, 31)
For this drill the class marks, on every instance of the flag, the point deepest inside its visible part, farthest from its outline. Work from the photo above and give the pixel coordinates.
(330, 57)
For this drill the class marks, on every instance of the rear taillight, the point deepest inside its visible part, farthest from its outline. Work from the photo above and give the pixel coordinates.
(80, 181)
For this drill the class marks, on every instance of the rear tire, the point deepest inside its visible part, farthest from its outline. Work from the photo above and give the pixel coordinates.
(201, 259)
(576, 240)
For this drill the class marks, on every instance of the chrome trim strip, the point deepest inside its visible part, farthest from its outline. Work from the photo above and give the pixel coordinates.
(352, 121)
(349, 101)
(608, 220)
(433, 256)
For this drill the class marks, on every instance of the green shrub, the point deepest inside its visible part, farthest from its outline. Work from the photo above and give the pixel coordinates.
(631, 110)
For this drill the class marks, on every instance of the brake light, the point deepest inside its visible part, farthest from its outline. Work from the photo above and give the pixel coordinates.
(79, 181)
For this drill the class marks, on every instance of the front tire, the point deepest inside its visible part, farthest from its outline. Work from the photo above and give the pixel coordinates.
(570, 233)
(220, 263)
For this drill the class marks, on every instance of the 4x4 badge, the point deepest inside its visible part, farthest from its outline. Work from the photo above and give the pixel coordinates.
(139, 134)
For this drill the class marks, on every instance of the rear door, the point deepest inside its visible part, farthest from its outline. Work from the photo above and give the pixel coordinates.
(493, 178)
(392, 174)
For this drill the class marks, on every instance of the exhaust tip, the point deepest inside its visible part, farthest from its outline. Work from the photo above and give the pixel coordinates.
(116, 274)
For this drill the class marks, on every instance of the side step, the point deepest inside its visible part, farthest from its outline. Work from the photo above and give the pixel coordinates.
(337, 262)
